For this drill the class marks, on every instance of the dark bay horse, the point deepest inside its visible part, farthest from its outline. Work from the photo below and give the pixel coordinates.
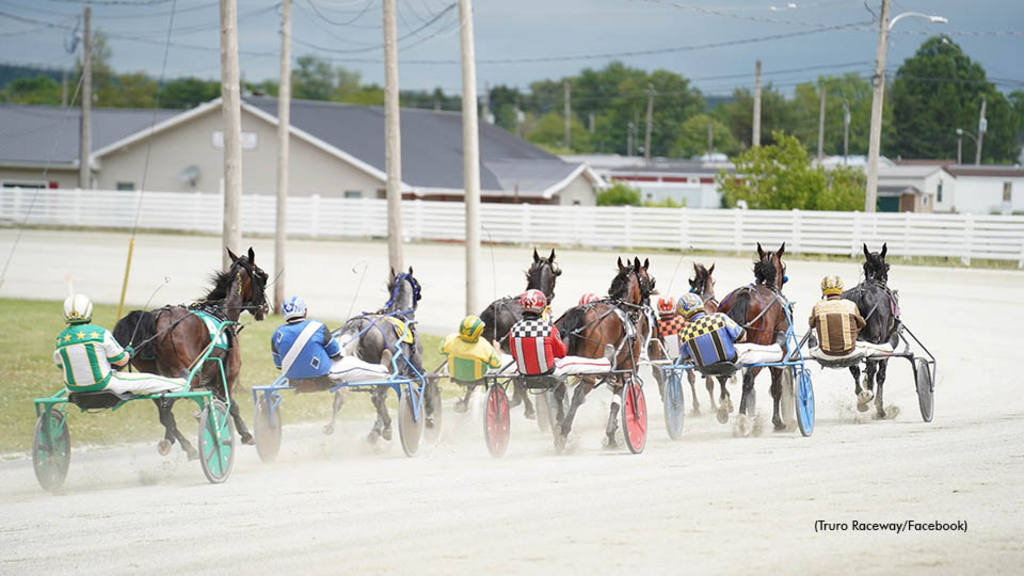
(503, 313)
(758, 308)
(373, 338)
(877, 305)
(623, 321)
(169, 340)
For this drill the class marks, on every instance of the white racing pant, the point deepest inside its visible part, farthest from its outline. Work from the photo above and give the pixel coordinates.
(352, 369)
(140, 383)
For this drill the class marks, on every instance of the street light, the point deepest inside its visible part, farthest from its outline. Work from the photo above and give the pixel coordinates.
(959, 143)
(875, 137)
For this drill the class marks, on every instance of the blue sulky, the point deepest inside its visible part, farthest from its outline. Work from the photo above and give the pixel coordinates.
(405, 379)
(793, 361)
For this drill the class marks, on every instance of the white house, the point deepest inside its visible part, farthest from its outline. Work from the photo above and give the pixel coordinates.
(690, 183)
(988, 189)
(914, 187)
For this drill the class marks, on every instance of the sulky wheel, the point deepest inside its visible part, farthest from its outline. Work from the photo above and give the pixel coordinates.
(432, 427)
(672, 398)
(268, 429)
(634, 416)
(543, 405)
(923, 376)
(216, 441)
(410, 425)
(51, 449)
(804, 402)
(496, 421)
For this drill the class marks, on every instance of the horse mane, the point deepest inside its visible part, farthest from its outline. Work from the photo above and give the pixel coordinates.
(699, 282)
(221, 283)
(619, 289)
(764, 272)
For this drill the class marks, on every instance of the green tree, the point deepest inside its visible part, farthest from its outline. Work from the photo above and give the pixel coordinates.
(39, 90)
(938, 90)
(692, 137)
(314, 79)
(619, 194)
(780, 176)
(549, 132)
(135, 90)
(188, 92)
(776, 115)
(370, 95)
(854, 91)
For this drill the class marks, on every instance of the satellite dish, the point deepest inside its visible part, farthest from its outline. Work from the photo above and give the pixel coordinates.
(190, 175)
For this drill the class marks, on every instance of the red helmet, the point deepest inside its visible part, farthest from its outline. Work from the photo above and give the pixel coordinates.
(588, 298)
(533, 301)
(666, 305)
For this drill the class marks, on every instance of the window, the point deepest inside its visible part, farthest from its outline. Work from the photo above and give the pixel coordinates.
(353, 194)
(576, 202)
(924, 200)
(127, 186)
(1007, 191)
(938, 193)
(23, 184)
(382, 194)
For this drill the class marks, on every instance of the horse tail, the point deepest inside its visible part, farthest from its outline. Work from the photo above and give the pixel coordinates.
(137, 326)
(736, 306)
(568, 325)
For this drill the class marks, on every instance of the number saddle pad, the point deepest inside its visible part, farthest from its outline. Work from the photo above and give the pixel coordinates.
(401, 330)
(213, 324)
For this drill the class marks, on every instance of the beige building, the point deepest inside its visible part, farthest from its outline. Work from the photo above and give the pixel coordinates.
(336, 150)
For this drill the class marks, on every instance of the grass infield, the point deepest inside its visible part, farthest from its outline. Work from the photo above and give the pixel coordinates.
(26, 354)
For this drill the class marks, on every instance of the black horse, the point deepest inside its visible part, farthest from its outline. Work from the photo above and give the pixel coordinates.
(879, 308)
(373, 337)
(503, 313)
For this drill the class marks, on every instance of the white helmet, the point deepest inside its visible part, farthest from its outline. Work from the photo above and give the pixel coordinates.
(293, 308)
(77, 309)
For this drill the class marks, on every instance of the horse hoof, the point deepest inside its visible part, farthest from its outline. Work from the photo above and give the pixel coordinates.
(164, 447)
(247, 440)
(862, 406)
(727, 406)
(610, 443)
(372, 437)
(460, 407)
(191, 454)
(722, 415)
(386, 434)
(530, 414)
(695, 412)
(743, 426)
(865, 396)
(328, 429)
(779, 427)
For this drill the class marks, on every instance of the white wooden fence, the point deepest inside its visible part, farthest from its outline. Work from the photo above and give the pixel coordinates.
(943, 235)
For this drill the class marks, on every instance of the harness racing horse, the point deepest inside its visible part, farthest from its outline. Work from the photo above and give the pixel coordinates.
(624, 321)
(169, 340)
(503, 313)
(877, 305)
(758, 308)
(372, 337)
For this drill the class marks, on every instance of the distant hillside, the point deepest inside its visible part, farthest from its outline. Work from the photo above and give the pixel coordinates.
(11, 72)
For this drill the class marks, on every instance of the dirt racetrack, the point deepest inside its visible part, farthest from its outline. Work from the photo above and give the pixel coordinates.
(710, 503)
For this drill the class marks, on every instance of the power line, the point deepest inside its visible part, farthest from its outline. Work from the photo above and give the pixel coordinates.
(407, 35)
(346, 23)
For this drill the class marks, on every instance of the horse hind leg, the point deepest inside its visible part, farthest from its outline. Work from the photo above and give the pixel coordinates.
(462, 405)
(867, 387)
(578, 396)
(613, 419)
(171, 432)
(382, 427)
(243, 431)
(693, 392)
(776, 391)
(709, 383)
(880, 409)
(724, 401)
(339, 401)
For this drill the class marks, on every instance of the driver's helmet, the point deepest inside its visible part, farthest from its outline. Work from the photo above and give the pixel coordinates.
(689, 304)
(831, 285)
(77, 309)
(588, 298)
(471, 328)
(533, 301)
(293, 308)
(666, 305)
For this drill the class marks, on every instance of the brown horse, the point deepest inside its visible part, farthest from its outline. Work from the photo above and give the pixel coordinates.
(758, 308)
(621, 321)
(169, 340)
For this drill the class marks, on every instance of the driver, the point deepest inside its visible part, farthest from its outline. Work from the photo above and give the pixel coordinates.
(707, 339)
(836, 321)
(85, 354)
(469, 356)
(535, 342)
(305, 349)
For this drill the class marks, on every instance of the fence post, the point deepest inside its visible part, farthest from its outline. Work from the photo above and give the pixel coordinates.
(1020, 262)
(737, 239)
(78, 207)
(907, 218)
(684, 229)
(628, 240)
(796, 231)
(527, 225)
(968, 239)
(314, 213)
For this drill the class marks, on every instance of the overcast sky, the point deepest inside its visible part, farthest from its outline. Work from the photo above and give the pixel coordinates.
(523, 30)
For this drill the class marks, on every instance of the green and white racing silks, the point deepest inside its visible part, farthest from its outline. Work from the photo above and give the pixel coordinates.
(84, 353)
(213, 324)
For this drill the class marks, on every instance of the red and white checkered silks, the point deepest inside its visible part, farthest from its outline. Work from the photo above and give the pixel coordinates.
(535, 345)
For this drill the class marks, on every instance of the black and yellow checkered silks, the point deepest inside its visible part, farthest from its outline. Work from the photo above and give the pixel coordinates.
(705, 325)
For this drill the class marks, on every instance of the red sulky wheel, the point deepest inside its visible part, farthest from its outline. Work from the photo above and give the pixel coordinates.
(634, 416)
(496, 421)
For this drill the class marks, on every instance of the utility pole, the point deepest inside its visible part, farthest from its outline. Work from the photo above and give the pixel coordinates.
(592, 123)
(629, 139)
(284, 100)
(711, 140)
(568, 114)
(982, 128)
(85, 131)
(470, 154)
(755, 139)
(959, 147)
(64, 90)
(846, 130)
(650, 120)
(821, 125)
(232, 112)
(875, 136)
(392, 137)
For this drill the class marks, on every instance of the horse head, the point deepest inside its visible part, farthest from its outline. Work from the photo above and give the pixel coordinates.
(702, 284)
(769, 268)
(875, 266)
(243, 286)
(647, 281)
(405, 293)
(632, 284)
(542, 274)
